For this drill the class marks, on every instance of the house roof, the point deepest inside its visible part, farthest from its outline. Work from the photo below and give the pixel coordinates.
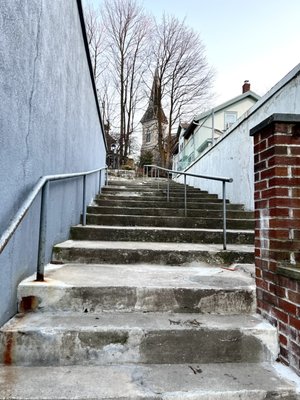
(154, 101)
(197, 118)
(190, 129)
(228, 103)
(182, 126)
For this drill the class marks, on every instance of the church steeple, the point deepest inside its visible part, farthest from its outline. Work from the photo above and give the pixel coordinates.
(152, 110)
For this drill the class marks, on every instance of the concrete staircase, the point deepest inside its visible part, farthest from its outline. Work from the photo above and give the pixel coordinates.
(143, 303)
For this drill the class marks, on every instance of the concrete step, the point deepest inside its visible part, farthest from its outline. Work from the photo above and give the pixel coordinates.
(201, 213)
(156, 192)
(137, 202)
(193, 288)
(171, 222)
(240, 381)
(158, 189)
(153, 234)
(142, 252)
(206, 198)
(148, 338)
(137, 183)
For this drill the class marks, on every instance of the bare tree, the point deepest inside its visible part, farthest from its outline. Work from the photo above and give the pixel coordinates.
(127, 31)
(125, 44)
(96, 39)
(183, 74)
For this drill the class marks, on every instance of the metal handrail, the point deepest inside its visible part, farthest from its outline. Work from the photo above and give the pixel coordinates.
(43, 185)
(185, 174)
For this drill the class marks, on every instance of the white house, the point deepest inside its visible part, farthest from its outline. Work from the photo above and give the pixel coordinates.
(232, 155)
(207, 127)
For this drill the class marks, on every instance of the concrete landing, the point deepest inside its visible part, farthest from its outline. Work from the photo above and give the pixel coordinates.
(118, 252)
(151, 382)
(195, 287)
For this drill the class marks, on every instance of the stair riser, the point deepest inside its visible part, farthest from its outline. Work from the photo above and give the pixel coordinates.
(101, 346)
(179, 300)
(173, 222)
(217, 205)
(115, 234)
(168, 212)
(120, 256)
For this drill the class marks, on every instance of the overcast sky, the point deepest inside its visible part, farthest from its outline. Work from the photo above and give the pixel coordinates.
(258, 40)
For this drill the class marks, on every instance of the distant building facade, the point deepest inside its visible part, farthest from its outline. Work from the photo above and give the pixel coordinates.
(194, 138)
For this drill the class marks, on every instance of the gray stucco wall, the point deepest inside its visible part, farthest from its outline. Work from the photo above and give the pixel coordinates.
(48, 125)
(232, 156)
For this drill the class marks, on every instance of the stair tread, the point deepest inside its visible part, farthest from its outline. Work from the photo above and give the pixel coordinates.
(174, 247)
(171, 209)
(193, 275)
(152, 321)
(109, 338)
(161, 228)
(163, 253)
(245, 381)
(162, 217)
(194, 288)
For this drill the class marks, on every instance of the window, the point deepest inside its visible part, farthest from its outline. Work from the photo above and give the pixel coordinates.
(229, 118)
(148, 136)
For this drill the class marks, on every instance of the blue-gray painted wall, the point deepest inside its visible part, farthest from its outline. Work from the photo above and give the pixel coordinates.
(49, 124)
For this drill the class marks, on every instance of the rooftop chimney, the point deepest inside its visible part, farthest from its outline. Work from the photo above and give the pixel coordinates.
(246, 86)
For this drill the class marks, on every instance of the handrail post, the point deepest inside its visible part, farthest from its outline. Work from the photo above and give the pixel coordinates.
(168, 190)
(185, 199)
(158, 178)
(106, 176)
(42, 233)
(84, 201)
(100, 178)
(224, 214)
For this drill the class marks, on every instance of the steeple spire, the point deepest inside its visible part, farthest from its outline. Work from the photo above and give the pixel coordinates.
(152, 110)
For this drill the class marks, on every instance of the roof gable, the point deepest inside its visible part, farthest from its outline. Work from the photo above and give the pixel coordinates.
(234, 100)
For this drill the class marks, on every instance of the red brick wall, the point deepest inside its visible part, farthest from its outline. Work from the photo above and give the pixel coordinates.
(277, 230)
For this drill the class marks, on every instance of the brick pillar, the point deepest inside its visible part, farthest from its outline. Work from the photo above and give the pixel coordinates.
(277, 229)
